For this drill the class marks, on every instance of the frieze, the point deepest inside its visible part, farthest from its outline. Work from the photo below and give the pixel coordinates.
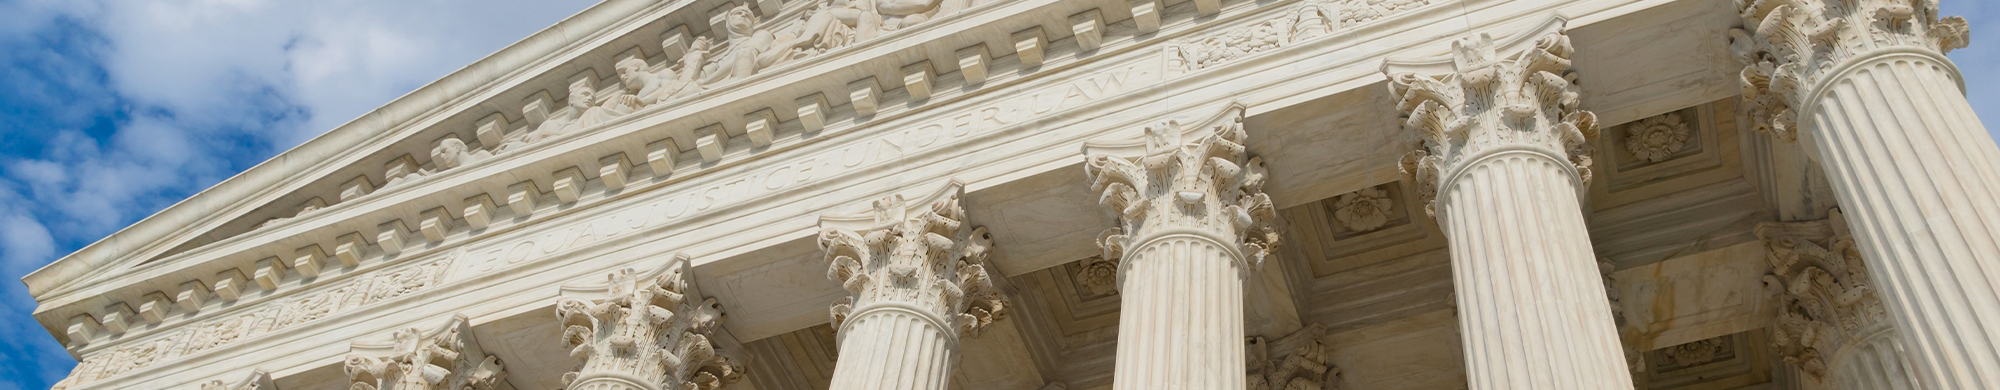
(262, 318)
(1311, 19)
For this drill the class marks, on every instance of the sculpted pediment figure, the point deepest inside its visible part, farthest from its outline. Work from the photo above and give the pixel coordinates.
(645, 88)
(451, 152)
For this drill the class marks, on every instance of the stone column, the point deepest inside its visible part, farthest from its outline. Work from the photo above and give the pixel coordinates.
(1502, 156)
(445, 358)
(1868, 85)
(917, 283)
(1830, 324)
(1193, 222)
(644, 331)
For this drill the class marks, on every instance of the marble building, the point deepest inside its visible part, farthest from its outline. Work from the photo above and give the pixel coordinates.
(1102, 194)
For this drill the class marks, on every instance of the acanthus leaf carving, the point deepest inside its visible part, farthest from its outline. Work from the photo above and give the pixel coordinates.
(917, 253)
(446, 358)
(651, 326)
(1197, 176)
(1822, 291)
(1788, 47)
(1479, 101)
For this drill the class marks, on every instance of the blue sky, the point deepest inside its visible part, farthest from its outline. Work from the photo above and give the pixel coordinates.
(110, 111)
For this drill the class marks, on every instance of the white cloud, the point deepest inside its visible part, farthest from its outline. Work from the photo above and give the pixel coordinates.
(201, 89)
(215, 85)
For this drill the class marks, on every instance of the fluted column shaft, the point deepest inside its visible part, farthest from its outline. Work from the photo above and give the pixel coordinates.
(1920, 180)
(894, 348)
(1875, 363)
(1532, 308)
(1502, 152)
(1180, 318)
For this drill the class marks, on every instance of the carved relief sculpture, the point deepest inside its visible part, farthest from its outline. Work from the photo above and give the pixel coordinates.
(1696, 353)
(1364, 210)
(258, 380)
(446, 358)
(646, 88)
(580, 97)
(1355, 12)
(1099, 275)
(750, 48)
(1193, 225)
(1656, 138)
(1312, 19)
(584, 98)
(451, 152)
(308, 207)
(832, 24)
(1298, 361)
(645, 331)
(916, 277)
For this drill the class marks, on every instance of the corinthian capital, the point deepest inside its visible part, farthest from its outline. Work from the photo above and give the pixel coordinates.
(415, 359)
(1789, 46)
(1825, 301)
(651, 327)
(1490, 97)
(1184, 177)
(916, 255)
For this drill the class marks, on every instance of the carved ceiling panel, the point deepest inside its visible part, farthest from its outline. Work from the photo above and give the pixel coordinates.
(1667, 152)
(1359, 228)
(1673, 184)
(1724, 362)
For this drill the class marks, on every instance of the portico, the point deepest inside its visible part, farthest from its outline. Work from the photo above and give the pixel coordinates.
(1043, 194)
